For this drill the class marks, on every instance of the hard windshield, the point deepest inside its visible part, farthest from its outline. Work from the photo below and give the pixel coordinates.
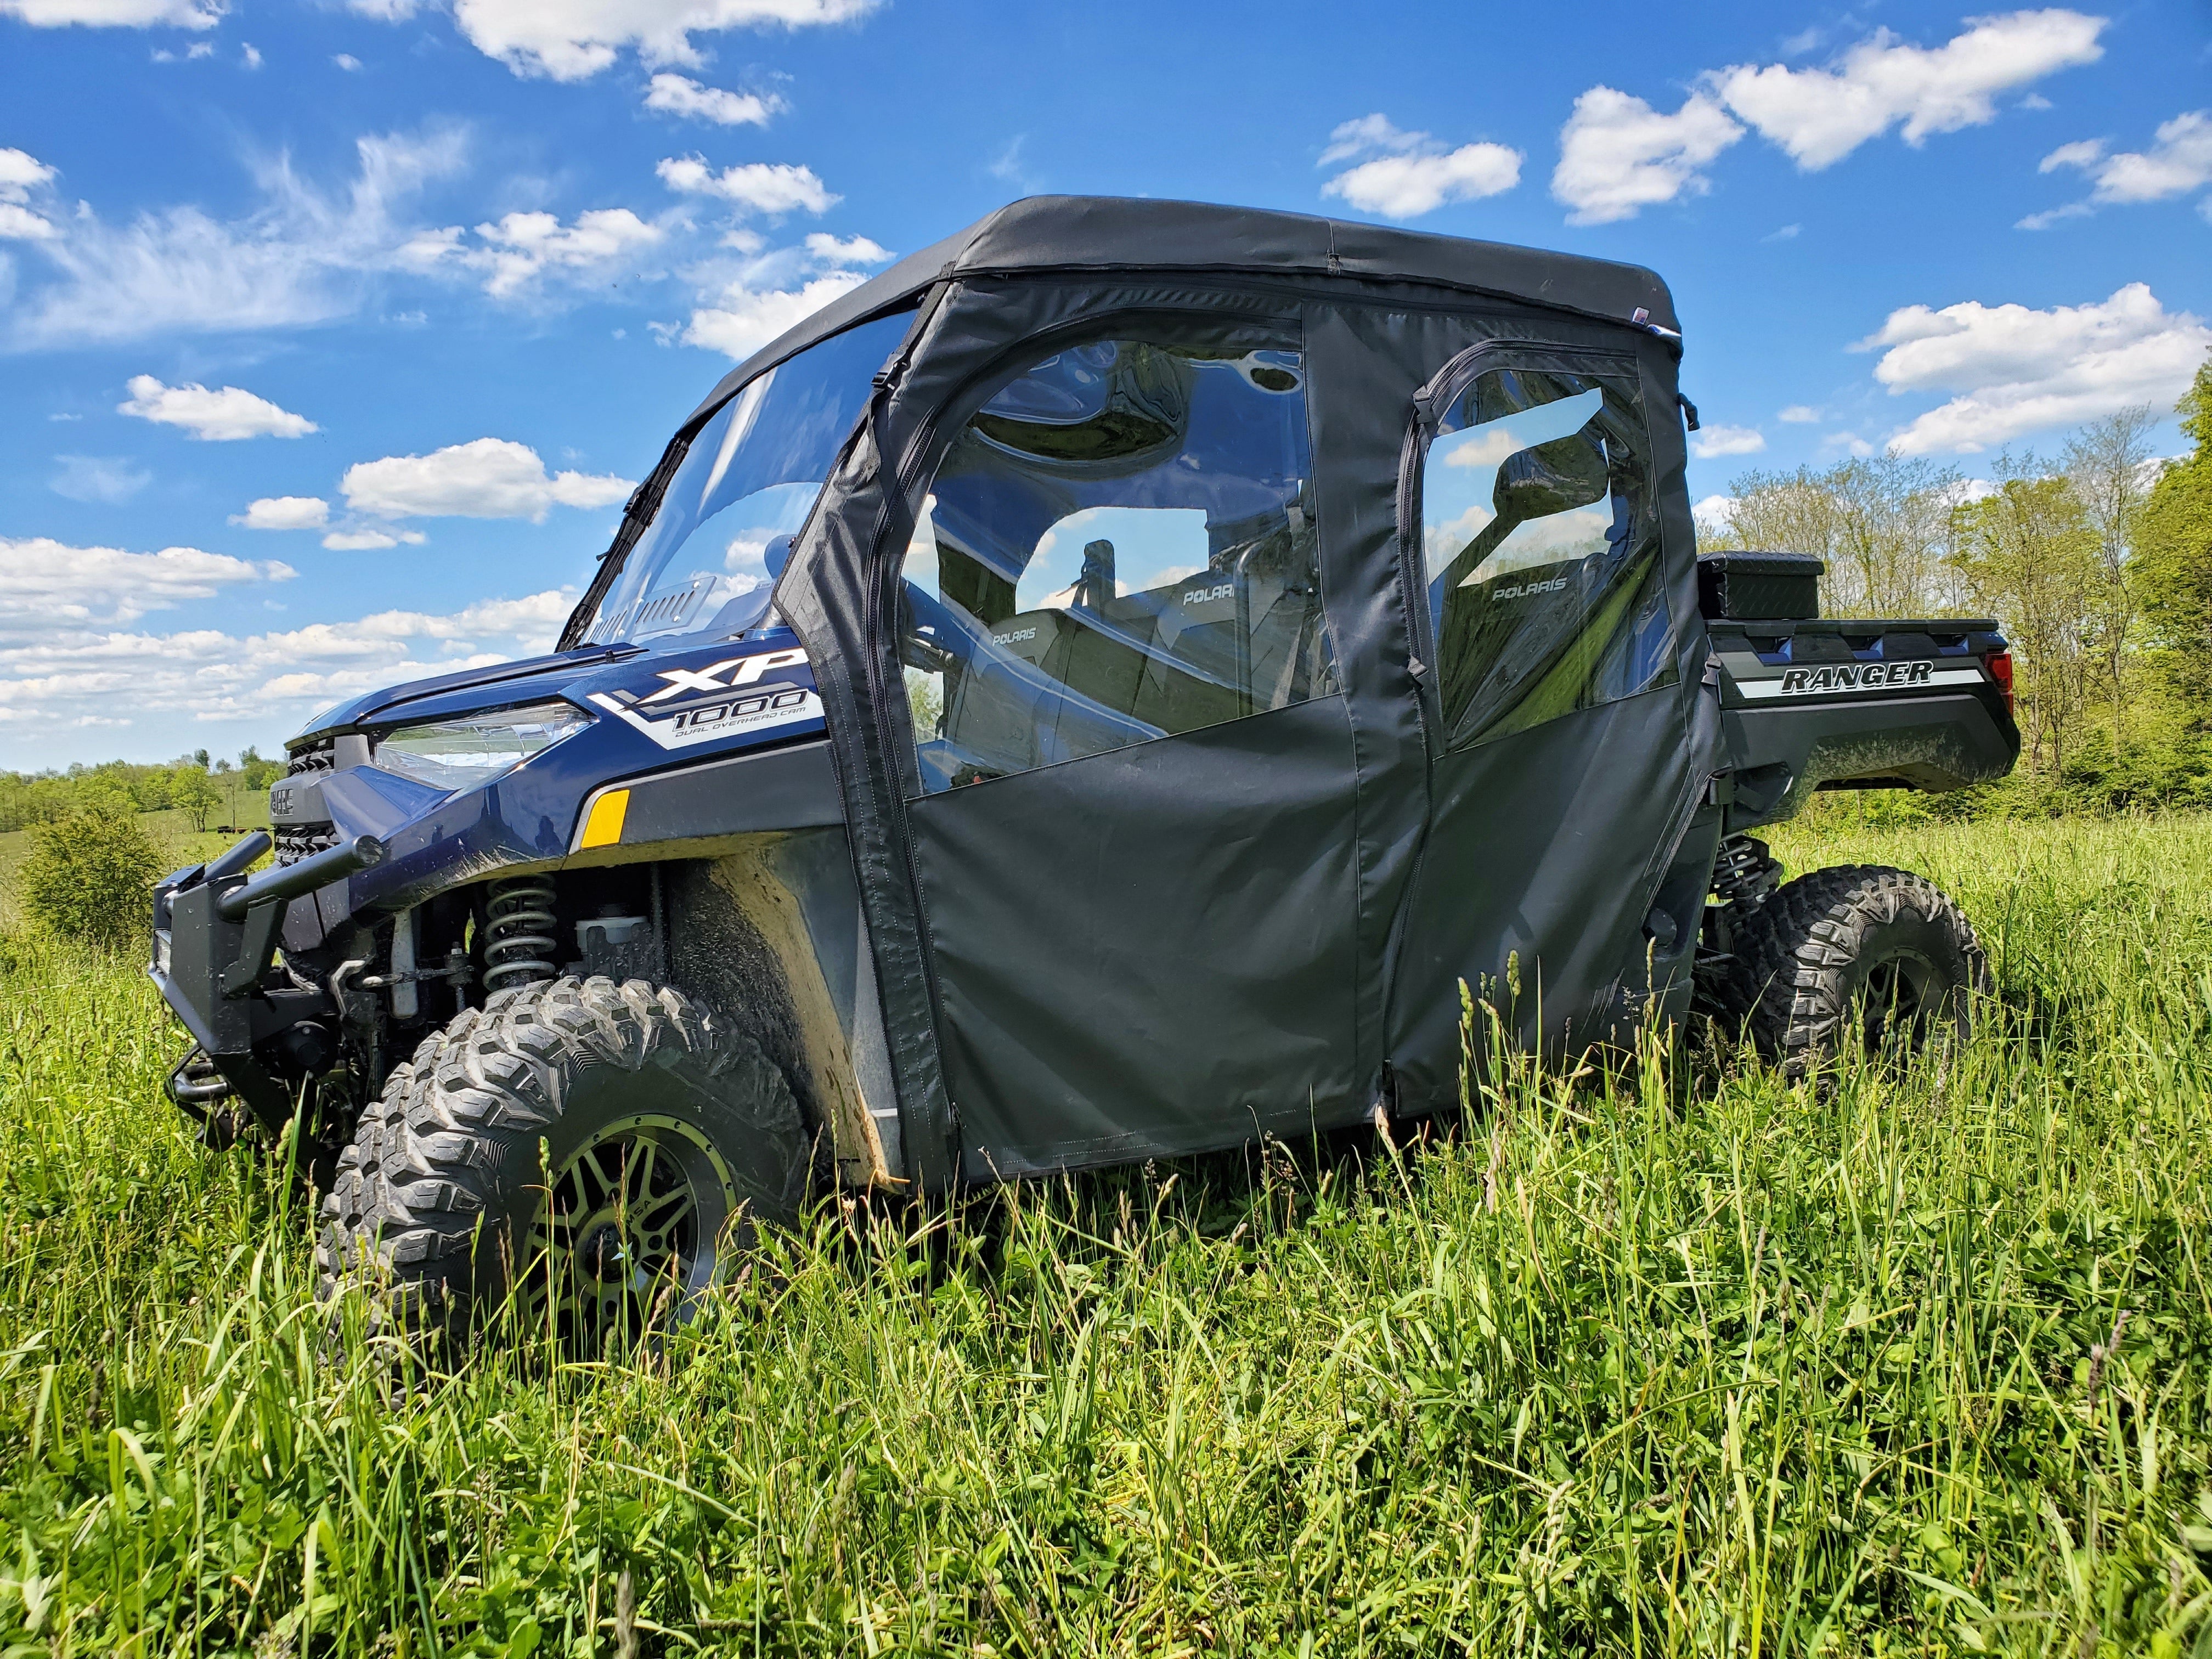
(754, 469)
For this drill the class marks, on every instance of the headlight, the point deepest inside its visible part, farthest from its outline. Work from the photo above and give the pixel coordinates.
(464, 753)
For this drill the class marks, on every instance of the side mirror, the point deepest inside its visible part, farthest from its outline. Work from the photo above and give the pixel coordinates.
(1558, 476)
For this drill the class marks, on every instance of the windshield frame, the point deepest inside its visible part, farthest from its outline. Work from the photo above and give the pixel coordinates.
(643, 509)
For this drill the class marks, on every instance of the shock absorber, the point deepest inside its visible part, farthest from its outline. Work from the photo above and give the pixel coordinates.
(519, 933)
(1744, 874)
(1744, 877)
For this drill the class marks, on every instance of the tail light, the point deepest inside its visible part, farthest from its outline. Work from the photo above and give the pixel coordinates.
(2001, 672)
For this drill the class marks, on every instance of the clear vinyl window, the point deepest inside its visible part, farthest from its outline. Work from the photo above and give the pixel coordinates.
(705, 566)
(1119, 546)
(1541, 549)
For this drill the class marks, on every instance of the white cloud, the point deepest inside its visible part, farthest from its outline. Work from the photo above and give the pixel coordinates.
(98, 478)
(1850, 442)
(522, 244)
(2054, 216)
(43, 582)
(1407, 187)
(115, 13)
(2178, 162)
(1618, 155)
(1415, 174)
(1819, 116)
(2016, 370)
(303, 257)
(576, 39)
(678, 94)
(853, 251)
(756, 186)
(744, 321)
(220, 416)
(1007, 165)
(56, 679)
(1368, 132)
(1714, 512)
(284, 513)
(19, 224)
(2082, 153)
(347, 61)
(488, 478)
(1798, 415)
(250, 56)
(366, 541)
(20, 175)
(1713, 440)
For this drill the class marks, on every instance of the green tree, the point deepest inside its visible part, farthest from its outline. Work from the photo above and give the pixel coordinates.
(1879, 521)
(2109, 464)
(90, 875)
(2173, 551)
(259, 774)
(196, 793)
(2029, 551)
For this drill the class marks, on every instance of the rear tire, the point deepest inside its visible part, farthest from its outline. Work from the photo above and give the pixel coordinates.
(1857, 943)
(667, 1136)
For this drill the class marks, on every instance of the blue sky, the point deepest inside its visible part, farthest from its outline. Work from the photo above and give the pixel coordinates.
(421, 288)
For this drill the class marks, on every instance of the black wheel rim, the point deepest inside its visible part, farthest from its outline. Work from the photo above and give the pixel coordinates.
(1900, 1000)
(632, 1232)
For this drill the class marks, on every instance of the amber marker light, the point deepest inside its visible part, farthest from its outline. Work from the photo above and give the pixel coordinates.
(605, 826)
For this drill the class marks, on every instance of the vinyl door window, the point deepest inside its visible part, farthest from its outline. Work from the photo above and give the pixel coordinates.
(1541, 549)
(1119, 546)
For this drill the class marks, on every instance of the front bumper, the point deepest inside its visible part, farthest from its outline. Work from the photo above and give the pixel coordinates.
(215, 938)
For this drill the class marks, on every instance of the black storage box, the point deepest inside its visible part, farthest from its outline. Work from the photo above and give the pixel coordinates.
(1758, 587)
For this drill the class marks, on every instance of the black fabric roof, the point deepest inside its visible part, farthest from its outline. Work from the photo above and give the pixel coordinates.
(1119, 232)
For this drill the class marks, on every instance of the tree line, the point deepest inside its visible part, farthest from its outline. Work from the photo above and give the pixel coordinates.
(2097, 562)
(202, 788)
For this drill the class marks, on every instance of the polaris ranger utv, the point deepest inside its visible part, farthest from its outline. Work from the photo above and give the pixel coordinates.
(1089, 694)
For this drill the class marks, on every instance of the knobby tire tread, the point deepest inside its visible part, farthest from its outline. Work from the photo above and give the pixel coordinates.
(410, 1212)
(1791, 989)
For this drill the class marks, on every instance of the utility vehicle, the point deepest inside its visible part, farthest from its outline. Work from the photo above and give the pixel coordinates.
(1091, 693)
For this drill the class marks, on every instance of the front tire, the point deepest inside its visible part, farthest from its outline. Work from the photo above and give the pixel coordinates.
(667, 1136)
(1859, 947)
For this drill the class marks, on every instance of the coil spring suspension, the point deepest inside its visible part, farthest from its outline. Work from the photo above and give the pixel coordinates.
(519, 933)
(1744, 874)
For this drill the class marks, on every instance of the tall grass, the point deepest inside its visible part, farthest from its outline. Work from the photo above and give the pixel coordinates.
(1677, 1362)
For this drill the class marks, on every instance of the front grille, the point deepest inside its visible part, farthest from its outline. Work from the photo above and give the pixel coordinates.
(302, 841)
(319, 757)
(299, 840)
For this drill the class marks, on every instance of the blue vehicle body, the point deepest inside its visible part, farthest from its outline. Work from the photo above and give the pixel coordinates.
(533, 813)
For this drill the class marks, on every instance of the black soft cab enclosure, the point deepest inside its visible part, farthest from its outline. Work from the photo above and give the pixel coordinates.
(1094, 692)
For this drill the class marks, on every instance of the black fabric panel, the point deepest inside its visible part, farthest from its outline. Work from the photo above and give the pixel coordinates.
(1149, 951)
(1537, 848)
(1127, 235)
(1360, 388)
(827, 594)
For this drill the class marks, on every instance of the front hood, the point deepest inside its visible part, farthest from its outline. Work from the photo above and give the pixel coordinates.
(495, 685)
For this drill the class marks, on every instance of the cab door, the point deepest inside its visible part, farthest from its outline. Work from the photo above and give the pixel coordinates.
(1131, 810)
(1544, 526)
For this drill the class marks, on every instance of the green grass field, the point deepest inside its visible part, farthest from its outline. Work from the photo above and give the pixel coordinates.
(1689, 1363)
